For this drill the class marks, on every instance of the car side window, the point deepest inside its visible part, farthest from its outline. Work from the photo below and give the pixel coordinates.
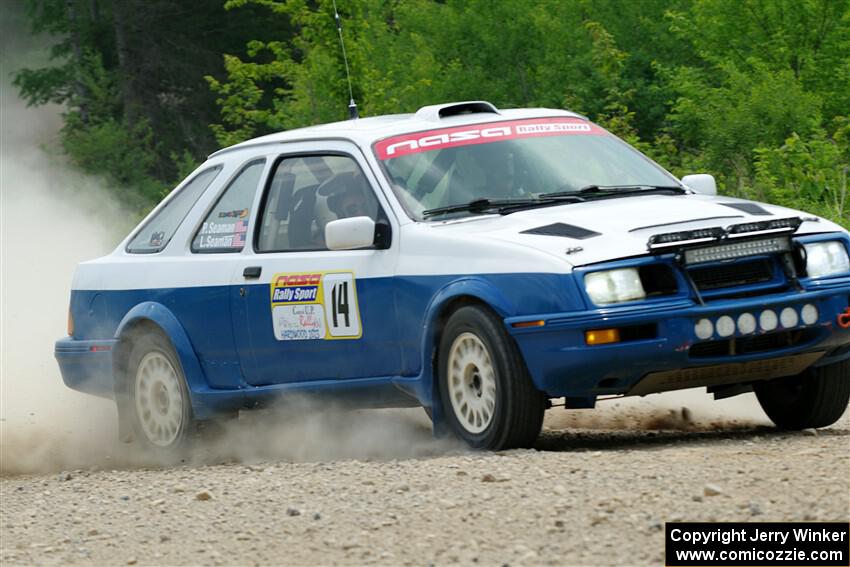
(225, 227)
(157, 232)
(308, 192)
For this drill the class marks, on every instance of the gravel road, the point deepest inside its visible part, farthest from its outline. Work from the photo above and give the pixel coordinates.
(594, 491)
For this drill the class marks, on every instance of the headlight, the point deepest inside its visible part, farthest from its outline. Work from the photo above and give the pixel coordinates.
(614, 286)
(826, 258)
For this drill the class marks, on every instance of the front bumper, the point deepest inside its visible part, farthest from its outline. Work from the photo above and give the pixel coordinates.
(86, 366)
(662, 356)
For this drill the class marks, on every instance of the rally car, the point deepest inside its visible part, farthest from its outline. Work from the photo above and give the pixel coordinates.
(475, 261)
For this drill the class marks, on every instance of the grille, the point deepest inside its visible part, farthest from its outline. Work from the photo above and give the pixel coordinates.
(732, 275)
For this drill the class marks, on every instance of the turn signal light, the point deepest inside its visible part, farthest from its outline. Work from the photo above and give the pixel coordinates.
(524, 324)
(70, 323)
(602, 336)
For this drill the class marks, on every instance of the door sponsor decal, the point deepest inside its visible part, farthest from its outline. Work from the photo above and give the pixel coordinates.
(315, 305)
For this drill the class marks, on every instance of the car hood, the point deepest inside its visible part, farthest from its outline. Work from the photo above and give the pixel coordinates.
(607, 229)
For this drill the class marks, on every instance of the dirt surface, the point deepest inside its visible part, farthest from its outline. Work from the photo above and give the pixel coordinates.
(598, 494)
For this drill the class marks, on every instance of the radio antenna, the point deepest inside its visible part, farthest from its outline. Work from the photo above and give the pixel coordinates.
(352, 106)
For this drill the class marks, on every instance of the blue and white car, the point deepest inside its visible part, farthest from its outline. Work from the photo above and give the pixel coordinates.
(475, 261)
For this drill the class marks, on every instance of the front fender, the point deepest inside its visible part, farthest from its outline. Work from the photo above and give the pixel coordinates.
(473, 287)
(162, 317)
(468, 288)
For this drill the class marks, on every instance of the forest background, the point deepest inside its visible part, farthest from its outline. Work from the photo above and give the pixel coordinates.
(755, 92)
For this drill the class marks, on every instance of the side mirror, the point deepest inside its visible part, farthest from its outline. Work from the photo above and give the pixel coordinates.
(350, 233)
(702, 183)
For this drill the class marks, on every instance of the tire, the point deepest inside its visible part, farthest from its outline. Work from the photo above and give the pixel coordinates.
(488, 398)
(159, 404)
(815, 398)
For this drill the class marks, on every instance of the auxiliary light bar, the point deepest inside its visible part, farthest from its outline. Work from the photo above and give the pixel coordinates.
(737, 249)
(745, 236)
(777, 226)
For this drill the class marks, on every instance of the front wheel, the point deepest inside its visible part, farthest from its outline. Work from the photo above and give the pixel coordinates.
(159, 398)
(487, 395)
(815, 398)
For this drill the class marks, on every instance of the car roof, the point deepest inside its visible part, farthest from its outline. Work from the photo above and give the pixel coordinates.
(365, 131)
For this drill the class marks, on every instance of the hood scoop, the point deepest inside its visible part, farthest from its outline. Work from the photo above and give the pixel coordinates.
(562, 229)
(750, 208)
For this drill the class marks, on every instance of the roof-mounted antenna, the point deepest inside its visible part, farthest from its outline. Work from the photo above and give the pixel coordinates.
(352, 106)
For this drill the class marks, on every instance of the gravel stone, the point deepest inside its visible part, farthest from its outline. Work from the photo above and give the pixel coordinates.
(583, 496)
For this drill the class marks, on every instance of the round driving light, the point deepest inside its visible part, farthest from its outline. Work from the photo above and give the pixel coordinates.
(726, 326)
(704, 329)
(810, 314)
(789, 317)
(768, 320)
(747, 323)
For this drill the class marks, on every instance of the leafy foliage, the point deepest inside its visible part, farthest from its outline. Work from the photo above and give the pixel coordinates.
(756, 92)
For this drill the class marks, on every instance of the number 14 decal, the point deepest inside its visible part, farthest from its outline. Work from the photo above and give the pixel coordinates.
(339, 296)
(342, 311)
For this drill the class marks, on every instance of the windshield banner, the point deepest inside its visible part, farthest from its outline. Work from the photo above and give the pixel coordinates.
(428, 140)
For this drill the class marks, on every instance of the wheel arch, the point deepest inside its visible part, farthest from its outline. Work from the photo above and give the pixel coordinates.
(151, 316)
(458, 294)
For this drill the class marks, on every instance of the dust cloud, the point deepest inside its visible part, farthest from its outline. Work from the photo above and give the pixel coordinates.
(53, 218)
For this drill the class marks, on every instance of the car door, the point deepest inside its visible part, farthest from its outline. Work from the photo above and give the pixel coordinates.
(309, 313)
(216, 239)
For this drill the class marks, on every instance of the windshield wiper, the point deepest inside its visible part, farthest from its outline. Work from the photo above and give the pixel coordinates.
(503, 206)
(475, 206)
(618, 190)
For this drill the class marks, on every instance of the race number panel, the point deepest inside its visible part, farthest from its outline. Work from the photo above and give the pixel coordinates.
(342, 314)
(315, 306)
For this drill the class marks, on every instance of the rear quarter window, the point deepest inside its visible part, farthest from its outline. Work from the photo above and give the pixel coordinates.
(156, 233)
(225, 227)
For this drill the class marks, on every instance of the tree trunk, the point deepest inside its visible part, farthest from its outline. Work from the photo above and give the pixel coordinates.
(79, 87)
(119, 24)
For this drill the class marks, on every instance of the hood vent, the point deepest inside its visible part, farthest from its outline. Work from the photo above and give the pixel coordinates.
(561, 229)
(750, 208)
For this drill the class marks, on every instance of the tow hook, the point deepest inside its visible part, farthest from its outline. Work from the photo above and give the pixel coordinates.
(844, 319)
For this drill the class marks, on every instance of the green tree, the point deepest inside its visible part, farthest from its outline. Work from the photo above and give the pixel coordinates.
(756, 92)
(130, 74)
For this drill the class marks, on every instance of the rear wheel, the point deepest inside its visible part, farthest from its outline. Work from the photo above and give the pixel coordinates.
(815, 398)
(159, 398)
(487, 395)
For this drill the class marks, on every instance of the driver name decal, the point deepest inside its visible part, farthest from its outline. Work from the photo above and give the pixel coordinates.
(398, 146)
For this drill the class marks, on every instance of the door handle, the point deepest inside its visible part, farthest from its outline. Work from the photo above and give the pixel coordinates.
(252, 271)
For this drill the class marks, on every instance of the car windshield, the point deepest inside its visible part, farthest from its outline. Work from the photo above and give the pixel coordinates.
(518, 160)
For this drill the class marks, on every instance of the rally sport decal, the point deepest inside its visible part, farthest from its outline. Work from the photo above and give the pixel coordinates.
(315, 305)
